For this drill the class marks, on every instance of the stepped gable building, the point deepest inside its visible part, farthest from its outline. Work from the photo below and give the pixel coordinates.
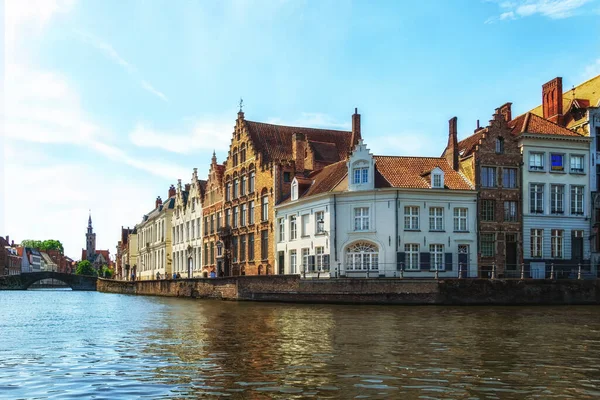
(212, 217)
(263, 160)
(490, 158)
(379, 216)
(98, 258)
(187, 227)
(122, 256)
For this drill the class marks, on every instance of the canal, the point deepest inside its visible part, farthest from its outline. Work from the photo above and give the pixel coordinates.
(61, 344)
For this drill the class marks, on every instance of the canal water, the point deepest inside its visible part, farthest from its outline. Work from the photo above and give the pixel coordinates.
(62, 344)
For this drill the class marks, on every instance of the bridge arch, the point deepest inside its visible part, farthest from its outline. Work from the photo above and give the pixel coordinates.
(25, 280)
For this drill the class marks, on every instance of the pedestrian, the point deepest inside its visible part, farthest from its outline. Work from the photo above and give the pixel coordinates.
(178, 276)
(212, 274)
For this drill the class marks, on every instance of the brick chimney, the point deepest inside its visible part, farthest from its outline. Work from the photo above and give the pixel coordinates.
(172, 191)
(451, 152)
(552, 103)
(158, 202)
(505, 112)
(299, 150)
(355, 128)
(7, 241)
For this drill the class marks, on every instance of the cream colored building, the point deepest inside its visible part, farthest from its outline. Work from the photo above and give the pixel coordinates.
(154, 240)
(186, 228)
(132, 253)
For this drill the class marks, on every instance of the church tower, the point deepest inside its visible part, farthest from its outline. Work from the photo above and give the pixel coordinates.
(90, 237)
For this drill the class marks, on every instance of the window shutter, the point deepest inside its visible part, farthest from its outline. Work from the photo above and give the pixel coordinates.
(448, 262)
(400, 261)
(425, 263)
(311, 262)
(325, 261)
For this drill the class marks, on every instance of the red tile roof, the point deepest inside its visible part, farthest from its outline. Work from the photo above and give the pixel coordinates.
(413, 172)
(328, 178)
(531, 123)
(274, 142)
(325, 152)
(467, 146)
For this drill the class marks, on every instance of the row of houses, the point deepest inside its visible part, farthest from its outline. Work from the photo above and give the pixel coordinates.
(15, 259)
(518, 195)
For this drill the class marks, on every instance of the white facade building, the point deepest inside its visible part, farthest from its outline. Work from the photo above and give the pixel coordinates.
(187, 228)
(378, 216)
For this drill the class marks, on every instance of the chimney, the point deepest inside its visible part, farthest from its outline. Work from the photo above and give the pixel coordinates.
(172, 191)
(158, 202)
(7, 241)
(12, 244)
(187, 187)
(451, 152)
(355, 128)
(552, 103)
(505, 111)
(299, 150)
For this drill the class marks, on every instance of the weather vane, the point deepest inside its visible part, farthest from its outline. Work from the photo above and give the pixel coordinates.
(241, 104)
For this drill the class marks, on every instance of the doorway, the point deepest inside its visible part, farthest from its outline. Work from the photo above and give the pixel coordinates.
(281, 262)
(511, 252)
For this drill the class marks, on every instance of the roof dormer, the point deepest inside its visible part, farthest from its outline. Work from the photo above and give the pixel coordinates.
(361, 169)
(437, 178)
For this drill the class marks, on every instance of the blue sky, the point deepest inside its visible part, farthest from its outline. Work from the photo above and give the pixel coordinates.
(107, 103)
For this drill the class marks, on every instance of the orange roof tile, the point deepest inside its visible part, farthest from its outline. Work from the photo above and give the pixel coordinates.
(467, 145)
(531, 123)
(412, 172)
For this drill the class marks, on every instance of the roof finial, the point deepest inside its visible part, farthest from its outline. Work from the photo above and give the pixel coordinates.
(241, 104)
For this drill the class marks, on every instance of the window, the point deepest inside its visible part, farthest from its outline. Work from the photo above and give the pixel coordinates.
(510, 211)
(287, 177)
(293, 262)
(319, 222)
(295, 191)
(536, 242)
(243, 214)
(218, 220)
(536, 198)
(436, 219)
(243, 186)
(460, 219)
(193, 232)
(251, 246)
(488, 244)
(251, 213)
(234, 222)
(220, 249)
(557, 199)
(488, 210)
(251, 182)
(206, 226)
(235, 158)
(205, 253)
(509, 178)
(243, 248)
(236, 185)
(412, 256)
(557, 162)
(227, 219)
(556, 243)
(234, 248)
(212, 252)
(293, 228)
(411, 218)
(361, 219)
(320, 259)
(577, 200)
(488, 177)
(264, 244)
(264, 214)
(243, 155)
(437, 180)
(361, 175)
(304, 220)
(305, 259)
(281, 229)
(228, 192)
(437, 256)
(577, 164)
(362, 256)
(500, 145)
(536, 161)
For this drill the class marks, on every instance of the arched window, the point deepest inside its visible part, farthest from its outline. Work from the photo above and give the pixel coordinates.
(264, 206)
(260, 269)
(362, 256)
(235, 156)
(360, 172)
(500, 145)
(243, 153)
(251, 180)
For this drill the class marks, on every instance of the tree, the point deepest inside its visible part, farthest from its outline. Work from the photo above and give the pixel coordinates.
(106, 272)
(85, 268)
(34, 244)
(44, 245)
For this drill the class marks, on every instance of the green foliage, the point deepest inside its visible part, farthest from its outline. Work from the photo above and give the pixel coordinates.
(44, 245)
(106, 272)
(85, 268)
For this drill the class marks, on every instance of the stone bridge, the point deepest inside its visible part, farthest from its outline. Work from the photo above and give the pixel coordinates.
(23, 281)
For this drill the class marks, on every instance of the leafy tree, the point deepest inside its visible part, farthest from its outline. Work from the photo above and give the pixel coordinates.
(85, 268)
(44, 245)
(106, 272)
(34, 244)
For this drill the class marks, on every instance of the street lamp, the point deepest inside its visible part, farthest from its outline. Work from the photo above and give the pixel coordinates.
(321, 225)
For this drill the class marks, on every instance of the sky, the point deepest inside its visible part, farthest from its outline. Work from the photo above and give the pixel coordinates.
(107, 103)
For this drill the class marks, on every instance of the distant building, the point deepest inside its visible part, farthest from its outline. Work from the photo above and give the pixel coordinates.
(10, 261)
(98, 258)
(31, 259)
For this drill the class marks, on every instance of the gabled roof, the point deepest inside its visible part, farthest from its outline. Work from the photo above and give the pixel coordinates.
(274, 142)
(413, 172)
(467, 146)
(531, 123)
(325, 152)
(328, 178)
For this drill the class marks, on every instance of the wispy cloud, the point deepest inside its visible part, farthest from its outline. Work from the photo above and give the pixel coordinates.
(553, 9)
(313, 120)
(592, 70)
(110, 52)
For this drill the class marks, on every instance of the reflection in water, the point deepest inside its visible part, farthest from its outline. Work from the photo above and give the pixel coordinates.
(76, 344)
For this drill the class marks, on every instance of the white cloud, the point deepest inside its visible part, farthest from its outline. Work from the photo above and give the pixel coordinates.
(313, 120)
(592, 70)
(203, 135)
(113, 55)
(553, 9)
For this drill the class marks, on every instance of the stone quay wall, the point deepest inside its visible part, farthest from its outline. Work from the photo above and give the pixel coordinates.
(290, 288)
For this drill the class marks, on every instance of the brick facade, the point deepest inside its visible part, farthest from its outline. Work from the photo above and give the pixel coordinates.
(212, 217)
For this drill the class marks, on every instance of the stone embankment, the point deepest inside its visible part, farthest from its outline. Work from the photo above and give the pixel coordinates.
(290, 288)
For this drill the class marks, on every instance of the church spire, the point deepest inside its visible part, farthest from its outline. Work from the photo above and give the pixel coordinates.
(90, 220)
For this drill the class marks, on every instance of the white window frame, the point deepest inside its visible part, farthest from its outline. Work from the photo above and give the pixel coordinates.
(557, 198)
(578, 168)
(293, 227)
(537, 243)
(577, 199)
(536, 198)
(411, 218)
(412, 257)
(361, 219)
(281, 230)
(436, 219)
(536, 161)
(437, 181)
(557, 240)
(461, 220)
(319, 258)
(293, 262)
(360, 175)
(319, 229)
(436, 256)
(362, 256)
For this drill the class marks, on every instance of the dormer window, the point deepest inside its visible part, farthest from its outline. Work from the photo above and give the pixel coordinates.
(361, 175)
(437, 180)
(295, 190)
